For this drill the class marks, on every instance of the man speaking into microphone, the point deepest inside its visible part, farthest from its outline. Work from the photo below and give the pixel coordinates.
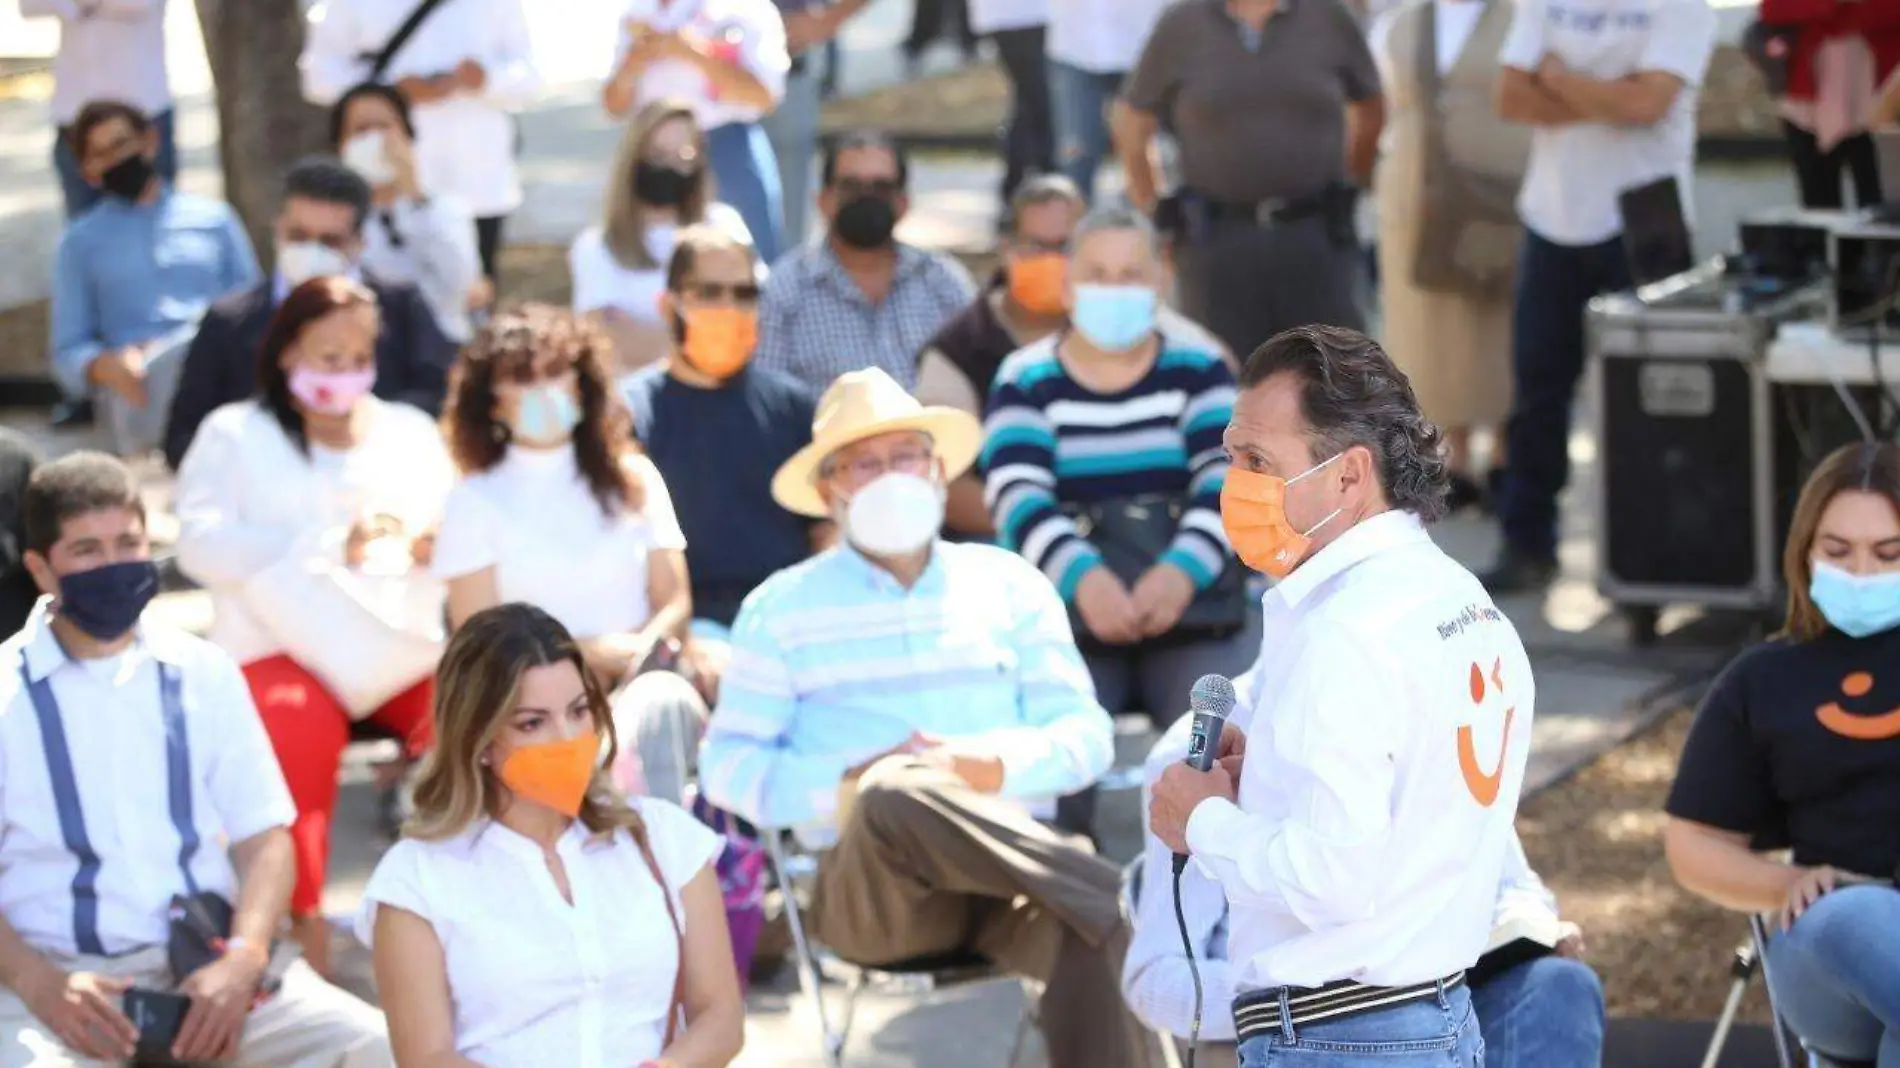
(1362, 849)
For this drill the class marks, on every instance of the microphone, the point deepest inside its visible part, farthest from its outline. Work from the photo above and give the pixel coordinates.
(1211, 701)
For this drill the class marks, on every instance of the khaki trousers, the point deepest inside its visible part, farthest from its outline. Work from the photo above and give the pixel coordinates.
(925, 866)
(307, 1024)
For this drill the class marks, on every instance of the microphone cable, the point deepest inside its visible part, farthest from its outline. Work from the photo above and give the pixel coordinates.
(1194, 970)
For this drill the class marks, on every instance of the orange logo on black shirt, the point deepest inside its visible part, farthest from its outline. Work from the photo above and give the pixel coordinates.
(1483, 786)
(1850, 725)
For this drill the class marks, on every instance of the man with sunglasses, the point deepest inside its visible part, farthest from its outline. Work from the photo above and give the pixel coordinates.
(717, 427)
(319, 232)
(859, 298)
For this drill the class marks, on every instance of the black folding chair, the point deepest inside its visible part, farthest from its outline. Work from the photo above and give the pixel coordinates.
(793, 870)
(1750, 956)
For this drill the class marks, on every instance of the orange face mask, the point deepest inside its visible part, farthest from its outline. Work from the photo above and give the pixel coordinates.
(719, 341)
(555, 774)
(1035, 282)
(1253, 513)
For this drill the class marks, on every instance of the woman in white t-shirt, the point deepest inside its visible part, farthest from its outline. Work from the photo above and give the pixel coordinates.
(530, 915)
(557, 507)
(299, 510)
(659, 183)
(728, 60)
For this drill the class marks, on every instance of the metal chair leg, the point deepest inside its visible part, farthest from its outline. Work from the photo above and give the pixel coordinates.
(1742, 969)
(1032, 1015)
(810, 980)
(1758, 935)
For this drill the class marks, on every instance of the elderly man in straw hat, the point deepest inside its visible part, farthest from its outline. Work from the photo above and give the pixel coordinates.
(918, 706)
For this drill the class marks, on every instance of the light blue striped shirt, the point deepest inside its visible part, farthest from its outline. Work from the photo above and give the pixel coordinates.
(834, 662)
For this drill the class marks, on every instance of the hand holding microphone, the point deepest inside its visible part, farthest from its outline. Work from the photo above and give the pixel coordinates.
(1185, 786)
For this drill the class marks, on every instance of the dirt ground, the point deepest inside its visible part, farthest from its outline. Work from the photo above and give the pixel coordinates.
(1596, 839)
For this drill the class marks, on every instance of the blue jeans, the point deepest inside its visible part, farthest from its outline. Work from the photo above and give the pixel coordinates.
(1554, 284)
(793, 130)
(1081, 99)
(1546, 1013)
(1836, 975)
(746, 172)
(1439, 1032)
(72, 185)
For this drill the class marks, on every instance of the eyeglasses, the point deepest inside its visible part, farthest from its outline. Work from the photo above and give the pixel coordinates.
(877, 187)
(861, 469)
(1031, 247)
(722, 293)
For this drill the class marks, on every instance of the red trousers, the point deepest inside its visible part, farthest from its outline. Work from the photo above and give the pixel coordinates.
(309, 729)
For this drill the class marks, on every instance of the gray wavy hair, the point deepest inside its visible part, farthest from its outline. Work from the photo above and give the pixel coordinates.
(1353, 394)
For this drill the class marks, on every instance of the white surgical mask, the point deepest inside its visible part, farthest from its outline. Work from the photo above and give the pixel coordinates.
(365, 155)
(895, 514)
(301, 261)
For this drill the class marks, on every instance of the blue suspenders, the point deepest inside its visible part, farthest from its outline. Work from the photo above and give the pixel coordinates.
(72, 821)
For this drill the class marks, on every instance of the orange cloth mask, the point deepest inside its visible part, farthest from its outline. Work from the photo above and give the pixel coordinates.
(719, 341)
(1253, 513)
(1036, 282)
(555, 774)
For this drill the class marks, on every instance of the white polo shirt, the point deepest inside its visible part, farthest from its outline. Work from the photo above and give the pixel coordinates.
(110, 50)
(465, 145)
(750, 32)
(114, 728)
(1577, 171)
(1386, 749)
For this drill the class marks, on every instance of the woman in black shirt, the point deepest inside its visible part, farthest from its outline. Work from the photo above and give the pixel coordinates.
(1798, 745)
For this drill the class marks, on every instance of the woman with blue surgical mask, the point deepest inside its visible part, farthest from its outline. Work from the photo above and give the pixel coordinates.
(558, 507)
(1104, 466)
(1797, 746)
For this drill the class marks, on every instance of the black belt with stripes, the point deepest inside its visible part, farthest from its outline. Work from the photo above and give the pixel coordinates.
(1258, 1012)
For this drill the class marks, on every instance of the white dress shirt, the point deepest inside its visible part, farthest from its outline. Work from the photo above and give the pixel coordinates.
(601, 281)
(1386, 750)
(993, 16)
(465, 145)
(1155, 979)
(533, 518)
(108, 50)
(431, 244)
(115, 733)
(534, 980)
(1577, 170)
(247, 500)
(1101, 36)
(752, 32)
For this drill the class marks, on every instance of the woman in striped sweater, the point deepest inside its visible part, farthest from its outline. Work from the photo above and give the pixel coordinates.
(1122, 414)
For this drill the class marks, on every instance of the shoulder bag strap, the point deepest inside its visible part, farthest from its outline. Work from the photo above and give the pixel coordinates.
(678, 1002)
(380, 62)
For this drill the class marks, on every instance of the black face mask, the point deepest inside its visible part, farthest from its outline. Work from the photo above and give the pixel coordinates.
(105, 602)
(865, 222)
(128, 178)
(663, 186)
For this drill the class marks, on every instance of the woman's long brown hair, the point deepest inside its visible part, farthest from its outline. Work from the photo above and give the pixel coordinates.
(603, 440)
(476, 687)
(304, 305)
(625, 229)
(1869, 468)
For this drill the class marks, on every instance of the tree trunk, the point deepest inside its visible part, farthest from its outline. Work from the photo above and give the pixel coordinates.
(264, 124)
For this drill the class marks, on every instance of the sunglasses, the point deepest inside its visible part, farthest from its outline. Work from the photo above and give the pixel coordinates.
(877, 187)
(717, 292)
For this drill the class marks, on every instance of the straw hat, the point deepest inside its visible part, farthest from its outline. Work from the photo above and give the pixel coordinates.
(864, 404)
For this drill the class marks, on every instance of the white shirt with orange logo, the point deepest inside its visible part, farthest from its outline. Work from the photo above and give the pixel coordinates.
(1389, 728)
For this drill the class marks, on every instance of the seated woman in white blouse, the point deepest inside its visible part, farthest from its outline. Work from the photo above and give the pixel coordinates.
(557, 507)
(530, 916)
(307, 512)
(660, 183)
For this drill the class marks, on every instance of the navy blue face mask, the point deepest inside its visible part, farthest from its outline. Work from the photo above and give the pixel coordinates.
(106, 602)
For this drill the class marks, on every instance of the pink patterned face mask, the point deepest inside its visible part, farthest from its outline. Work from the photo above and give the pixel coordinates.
(331, 392)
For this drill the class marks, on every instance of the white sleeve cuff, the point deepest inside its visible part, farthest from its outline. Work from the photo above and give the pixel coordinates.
(1213, 825)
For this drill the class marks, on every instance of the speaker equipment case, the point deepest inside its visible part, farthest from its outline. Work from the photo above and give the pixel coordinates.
(1685, 488)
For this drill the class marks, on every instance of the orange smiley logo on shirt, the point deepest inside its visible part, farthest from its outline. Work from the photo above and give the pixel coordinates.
(1847, 724)
(1484, 785)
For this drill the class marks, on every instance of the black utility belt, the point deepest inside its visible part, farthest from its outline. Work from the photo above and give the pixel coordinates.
(1259, 1012)
(1268, 212)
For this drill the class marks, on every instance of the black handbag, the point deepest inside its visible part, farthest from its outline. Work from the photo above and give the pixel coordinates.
(1131, 533)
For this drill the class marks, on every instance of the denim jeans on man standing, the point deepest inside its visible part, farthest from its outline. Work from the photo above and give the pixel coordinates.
(1437, 1032)
(1545, 1013)
(745, 169)
(793, 130)
(72, 185)
(1554, 285)
(1081, 99)
(1836, 975)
